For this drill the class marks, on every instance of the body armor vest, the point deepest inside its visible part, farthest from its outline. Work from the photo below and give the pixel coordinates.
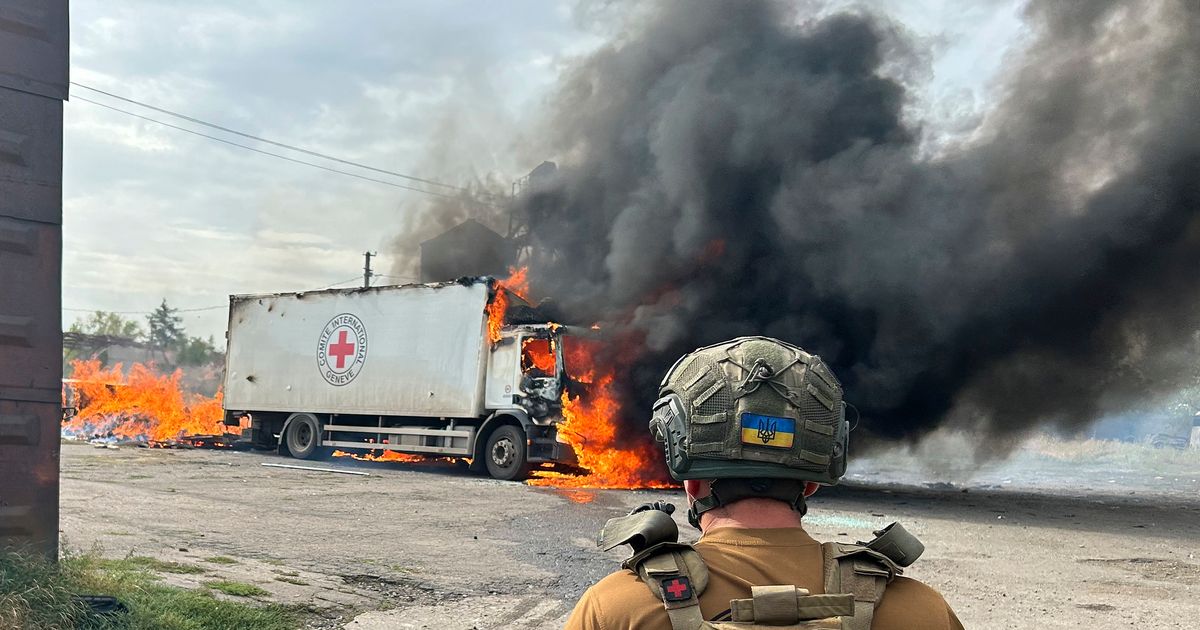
(855, 578)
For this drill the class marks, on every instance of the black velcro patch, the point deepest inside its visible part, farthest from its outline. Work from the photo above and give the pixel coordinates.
(676, 589)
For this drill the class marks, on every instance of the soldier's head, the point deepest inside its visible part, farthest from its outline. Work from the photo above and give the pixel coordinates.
(755, 417)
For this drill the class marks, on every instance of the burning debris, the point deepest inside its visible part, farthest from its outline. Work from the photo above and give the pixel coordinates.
(143, 408)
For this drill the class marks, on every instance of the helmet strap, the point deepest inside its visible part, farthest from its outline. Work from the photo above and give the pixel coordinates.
(726, 491)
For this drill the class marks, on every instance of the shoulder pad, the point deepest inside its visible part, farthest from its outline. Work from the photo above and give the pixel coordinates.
(669, 559)
(860, 553)
(897, 544)
(640, 531)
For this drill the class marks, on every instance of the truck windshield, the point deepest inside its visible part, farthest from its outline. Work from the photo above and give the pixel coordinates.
(537, 357)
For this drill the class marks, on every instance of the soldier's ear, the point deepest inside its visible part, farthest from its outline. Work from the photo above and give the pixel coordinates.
(810, 488)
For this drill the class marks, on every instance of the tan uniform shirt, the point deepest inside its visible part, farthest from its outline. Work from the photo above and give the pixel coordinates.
(740, 558)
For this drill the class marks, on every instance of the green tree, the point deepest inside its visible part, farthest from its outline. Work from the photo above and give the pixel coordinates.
(197, 351)
(166, 328)
(99, 324)
(108, 324)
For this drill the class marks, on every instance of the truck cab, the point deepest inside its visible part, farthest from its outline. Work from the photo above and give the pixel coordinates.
(526, 372)
(525, 381)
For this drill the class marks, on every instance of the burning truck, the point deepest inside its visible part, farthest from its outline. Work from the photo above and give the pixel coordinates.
(423, 369)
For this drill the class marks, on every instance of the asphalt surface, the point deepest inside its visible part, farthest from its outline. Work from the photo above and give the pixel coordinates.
(432, 546)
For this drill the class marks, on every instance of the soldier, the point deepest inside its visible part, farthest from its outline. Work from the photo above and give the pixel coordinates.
(752, 427)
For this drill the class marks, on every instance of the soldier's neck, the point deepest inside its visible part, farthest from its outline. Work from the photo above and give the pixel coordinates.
(751, 514)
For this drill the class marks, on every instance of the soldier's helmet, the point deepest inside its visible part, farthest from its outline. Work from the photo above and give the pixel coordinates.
(752, 408)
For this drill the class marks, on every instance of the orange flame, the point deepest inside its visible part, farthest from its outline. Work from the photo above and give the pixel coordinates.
(538, 354)
(383, 456)
(590, 427)
(516, 283)
(141, 406)
(590, 420)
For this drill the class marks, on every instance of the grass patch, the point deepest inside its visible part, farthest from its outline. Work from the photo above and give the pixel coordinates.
(285, 573)
(221, 560)
(291, 580)
(38, 594)
(143, 563)
(240, 589)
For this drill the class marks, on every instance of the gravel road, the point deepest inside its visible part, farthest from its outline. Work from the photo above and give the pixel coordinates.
(432, 546)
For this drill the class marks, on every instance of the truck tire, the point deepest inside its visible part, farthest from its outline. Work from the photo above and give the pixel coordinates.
(505, 455)
(303, 436)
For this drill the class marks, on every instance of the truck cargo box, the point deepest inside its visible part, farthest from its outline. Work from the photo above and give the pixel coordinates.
(415, 350)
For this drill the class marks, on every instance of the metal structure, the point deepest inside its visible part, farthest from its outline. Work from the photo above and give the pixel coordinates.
(33, 86)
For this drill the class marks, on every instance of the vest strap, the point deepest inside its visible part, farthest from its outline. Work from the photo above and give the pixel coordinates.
(677, 575)
(860, 572)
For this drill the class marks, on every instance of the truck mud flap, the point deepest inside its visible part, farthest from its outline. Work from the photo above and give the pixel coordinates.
(544, 450)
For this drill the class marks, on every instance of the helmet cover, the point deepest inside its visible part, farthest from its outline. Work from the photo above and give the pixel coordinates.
(752, 407)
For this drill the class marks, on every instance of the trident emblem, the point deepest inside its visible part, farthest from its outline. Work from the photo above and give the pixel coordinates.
(766, 431)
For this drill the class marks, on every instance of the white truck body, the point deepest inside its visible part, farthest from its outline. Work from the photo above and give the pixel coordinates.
(405, 368)
(423, 352)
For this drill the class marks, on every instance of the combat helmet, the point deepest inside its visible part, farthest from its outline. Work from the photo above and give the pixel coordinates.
(759, 415)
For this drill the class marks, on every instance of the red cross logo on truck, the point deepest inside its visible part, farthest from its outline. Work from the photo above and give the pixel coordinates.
(342, 349)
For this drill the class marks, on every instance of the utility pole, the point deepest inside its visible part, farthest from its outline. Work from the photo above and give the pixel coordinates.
(367, 269)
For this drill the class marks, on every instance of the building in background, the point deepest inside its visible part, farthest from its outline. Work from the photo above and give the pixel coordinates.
(467, 249)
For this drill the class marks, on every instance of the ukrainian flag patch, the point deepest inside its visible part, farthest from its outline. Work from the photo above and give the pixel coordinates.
(768, 430)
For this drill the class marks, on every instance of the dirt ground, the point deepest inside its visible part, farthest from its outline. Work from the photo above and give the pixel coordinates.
(433, 546)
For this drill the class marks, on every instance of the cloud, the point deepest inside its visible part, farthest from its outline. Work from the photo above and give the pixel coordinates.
(151, 212)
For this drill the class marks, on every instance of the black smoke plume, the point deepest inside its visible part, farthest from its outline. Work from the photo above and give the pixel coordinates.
(742, 168)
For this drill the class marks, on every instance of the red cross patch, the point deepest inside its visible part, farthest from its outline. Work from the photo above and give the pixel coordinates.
(676, 589)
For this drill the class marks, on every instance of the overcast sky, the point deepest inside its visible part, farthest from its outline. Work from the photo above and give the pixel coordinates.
(441, 89)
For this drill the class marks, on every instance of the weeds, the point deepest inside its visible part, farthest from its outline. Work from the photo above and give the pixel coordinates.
(239, 589)
(147, 564)
(36, 594)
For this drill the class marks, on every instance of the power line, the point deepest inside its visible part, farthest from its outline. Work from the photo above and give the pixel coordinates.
(250, 148)
(199, 309)
(276, 143)
(177, 310)
(332, 285)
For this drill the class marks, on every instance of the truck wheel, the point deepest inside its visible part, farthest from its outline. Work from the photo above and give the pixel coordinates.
(505, 454)
(303, 436)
